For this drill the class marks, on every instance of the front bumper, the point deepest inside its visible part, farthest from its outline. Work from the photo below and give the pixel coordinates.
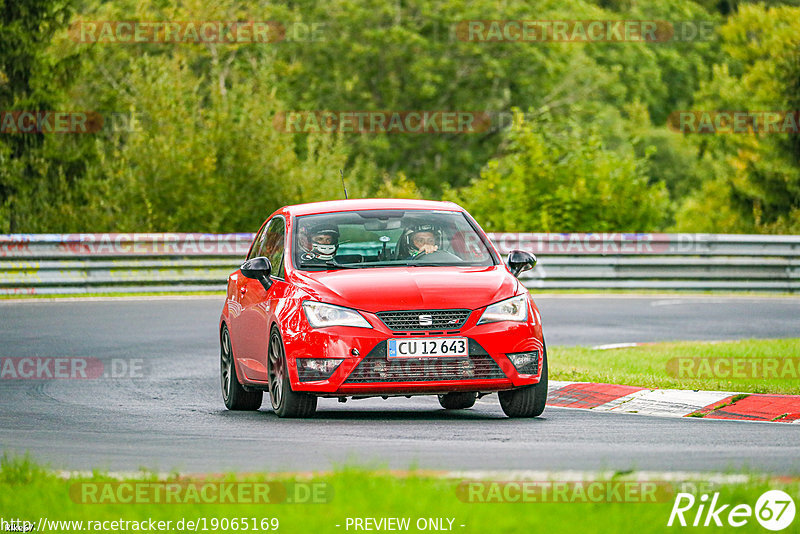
(366, 370)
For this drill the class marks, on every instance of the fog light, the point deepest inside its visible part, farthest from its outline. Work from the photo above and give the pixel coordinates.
(309, 369)
(526, 363)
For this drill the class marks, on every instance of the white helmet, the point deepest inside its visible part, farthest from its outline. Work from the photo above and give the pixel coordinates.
(323, 250)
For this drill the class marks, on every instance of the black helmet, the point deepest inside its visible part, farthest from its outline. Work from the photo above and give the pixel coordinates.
(407, 247)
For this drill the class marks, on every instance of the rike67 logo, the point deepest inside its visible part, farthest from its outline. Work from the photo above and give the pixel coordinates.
(774, 510)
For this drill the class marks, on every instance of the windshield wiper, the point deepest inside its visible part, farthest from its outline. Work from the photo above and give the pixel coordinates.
(330, 263)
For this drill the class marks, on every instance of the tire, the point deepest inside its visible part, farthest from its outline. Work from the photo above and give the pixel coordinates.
(285, 402)
(458, 401)
(233, 394)
(528, 401)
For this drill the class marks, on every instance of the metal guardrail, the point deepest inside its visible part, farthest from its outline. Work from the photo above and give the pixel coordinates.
(659, 261)
(101, 263)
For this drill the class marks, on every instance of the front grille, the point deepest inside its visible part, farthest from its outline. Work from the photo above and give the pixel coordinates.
(376, 367)
(410, 320)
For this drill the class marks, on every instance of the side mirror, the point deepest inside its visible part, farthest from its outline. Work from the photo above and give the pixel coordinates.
(259, 269)
(520, 261)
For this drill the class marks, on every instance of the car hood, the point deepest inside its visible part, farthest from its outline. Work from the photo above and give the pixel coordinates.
(410, 288)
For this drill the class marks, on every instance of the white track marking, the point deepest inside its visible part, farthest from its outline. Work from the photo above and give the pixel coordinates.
(665, 402)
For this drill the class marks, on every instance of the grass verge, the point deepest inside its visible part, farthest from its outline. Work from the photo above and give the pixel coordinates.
(748, 366)
(31, 493)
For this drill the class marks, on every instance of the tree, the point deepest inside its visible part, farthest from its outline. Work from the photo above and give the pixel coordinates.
(754, 176)
(413, 56)
(558, 177)
(202, 153)
(32, 78)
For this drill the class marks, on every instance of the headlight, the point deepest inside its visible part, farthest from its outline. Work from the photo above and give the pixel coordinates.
(320, 315)
(513, 309)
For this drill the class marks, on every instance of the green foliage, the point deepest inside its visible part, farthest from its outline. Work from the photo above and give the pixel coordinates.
(201, 152)
(204, 154)
(17, 470)
(409, 56)
(753, 180)
(32, 78)
(207, 159)
(560, 178)
(412, 495)
(654, 365)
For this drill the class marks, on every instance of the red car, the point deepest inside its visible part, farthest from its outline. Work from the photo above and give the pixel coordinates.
(379, 297)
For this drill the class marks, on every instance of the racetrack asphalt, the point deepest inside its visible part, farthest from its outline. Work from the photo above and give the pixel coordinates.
(173, 417)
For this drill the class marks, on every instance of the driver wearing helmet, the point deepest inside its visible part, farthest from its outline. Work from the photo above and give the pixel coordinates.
(319, 242)
(420, 239)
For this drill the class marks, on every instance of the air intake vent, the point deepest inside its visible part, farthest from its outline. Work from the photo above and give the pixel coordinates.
(419, 320)
(375, 367)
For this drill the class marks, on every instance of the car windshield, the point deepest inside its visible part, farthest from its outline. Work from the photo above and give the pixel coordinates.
(386, 238)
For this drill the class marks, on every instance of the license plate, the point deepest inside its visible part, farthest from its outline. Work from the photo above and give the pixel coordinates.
(429, 347)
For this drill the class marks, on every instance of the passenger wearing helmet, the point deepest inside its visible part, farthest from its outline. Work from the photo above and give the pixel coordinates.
(319, 242)
(419, 239)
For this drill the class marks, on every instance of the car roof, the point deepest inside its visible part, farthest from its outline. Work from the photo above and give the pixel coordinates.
(368, 204)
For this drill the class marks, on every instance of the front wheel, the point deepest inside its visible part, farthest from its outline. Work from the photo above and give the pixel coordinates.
(528, 401)
(458, 401)
(233, 394)
(285, 402)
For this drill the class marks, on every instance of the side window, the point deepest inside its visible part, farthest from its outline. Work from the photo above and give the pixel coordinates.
(257, 243)
(272, 245)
